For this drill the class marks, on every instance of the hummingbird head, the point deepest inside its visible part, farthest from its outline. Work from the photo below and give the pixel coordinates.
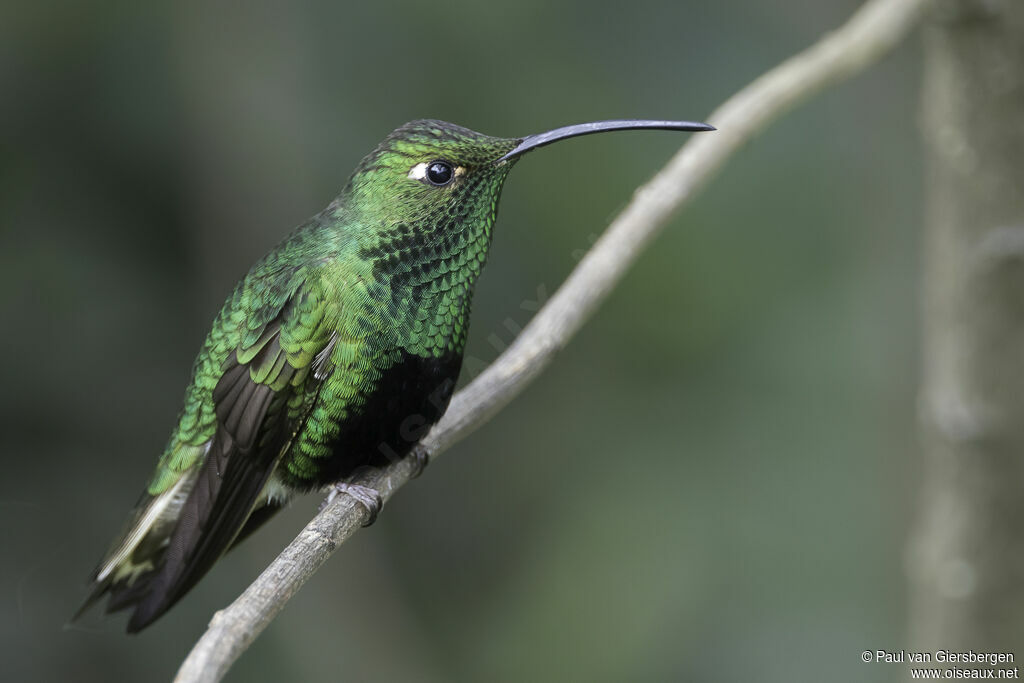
(431, 174)
(437, 175)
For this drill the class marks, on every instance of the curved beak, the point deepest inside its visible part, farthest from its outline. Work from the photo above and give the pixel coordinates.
(566, 132)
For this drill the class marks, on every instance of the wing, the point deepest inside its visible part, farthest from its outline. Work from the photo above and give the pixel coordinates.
(231, 436)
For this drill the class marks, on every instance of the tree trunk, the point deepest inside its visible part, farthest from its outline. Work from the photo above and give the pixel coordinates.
(966, 559)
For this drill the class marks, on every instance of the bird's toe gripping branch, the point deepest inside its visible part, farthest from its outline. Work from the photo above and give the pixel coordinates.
(367, 497)
(421, 458)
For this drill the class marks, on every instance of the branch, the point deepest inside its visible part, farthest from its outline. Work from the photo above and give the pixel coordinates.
(877, 27)
(964, 553)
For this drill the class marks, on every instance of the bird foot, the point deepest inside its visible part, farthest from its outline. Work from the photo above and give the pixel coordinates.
(367, 497)
(421, 459)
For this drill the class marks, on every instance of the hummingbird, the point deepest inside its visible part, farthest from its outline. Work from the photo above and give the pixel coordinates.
(348, 332)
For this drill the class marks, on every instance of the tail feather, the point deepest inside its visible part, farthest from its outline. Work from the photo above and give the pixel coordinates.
(138, 550)
(227, 490)
(174, 538)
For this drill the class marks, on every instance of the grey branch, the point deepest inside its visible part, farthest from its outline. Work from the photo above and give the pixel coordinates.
(965, 561)
(877, 27)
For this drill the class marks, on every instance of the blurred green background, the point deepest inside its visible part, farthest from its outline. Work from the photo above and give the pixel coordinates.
(712, 482)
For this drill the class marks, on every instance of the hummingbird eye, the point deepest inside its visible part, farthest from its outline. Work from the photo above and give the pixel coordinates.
(439, 173)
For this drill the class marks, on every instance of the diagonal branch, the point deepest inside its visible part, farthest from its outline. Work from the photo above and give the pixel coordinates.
(877, 27)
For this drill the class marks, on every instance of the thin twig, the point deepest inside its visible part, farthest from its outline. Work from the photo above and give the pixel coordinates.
(877, 27)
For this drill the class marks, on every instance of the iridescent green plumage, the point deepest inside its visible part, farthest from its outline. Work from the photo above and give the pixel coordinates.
(388, 267)
(336, 351)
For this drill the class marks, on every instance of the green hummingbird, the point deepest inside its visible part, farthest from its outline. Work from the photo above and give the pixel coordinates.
(351, 326)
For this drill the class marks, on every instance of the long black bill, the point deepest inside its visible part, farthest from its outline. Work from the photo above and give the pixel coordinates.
(565, 132)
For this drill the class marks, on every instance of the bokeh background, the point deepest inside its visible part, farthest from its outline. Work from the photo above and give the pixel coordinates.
(714, 481)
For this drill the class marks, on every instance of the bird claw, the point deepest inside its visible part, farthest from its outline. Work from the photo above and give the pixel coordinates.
(420, 459)
(364, 495)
